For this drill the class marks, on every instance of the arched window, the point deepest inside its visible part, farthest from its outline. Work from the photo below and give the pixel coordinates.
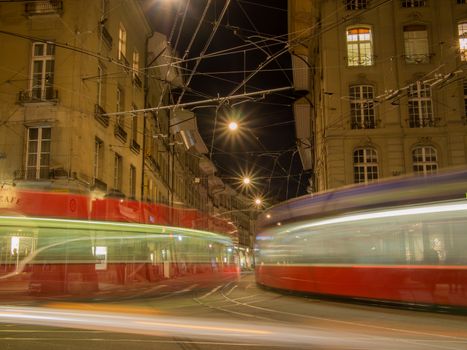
(365, 165)
(425, 160)
(362, 109)
(420, 109)
(359, 46)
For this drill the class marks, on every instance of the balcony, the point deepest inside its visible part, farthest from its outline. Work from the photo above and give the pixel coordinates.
(418, 58)
(44, 173)
(106, 37)
(120, 133)
(39, 7)
(47, 94)
(134, 146)
(363, 125)
(99, 115)
(424, 122)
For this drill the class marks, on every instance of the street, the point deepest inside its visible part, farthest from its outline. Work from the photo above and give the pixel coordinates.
(230, 316)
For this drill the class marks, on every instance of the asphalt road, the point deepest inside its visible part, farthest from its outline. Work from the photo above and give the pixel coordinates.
(236, 315)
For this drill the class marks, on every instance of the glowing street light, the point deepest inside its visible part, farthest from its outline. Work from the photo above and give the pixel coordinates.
(233, 126)
(246, 180)
(258, 201)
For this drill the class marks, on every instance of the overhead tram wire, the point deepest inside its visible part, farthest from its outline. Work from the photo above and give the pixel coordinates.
(194, 103)
(208, 42)
(258, 33)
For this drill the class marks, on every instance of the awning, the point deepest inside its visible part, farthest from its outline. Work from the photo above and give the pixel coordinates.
(184, 123)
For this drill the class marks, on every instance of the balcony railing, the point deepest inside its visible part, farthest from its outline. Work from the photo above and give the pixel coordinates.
(365, 125)
(38, 95)
(120, 133)
(134, 146)
(418, 58)
(44, 173)
(106, 37)
(99, 114)
(40, 7)
(424, 122)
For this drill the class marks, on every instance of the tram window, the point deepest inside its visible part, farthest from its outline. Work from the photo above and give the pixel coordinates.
(455, 241)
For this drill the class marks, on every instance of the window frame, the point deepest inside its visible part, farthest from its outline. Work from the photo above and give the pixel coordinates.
(462, 39)
(135, 63)
(118, 171)
(132, 179)
(425, 163)
(355, 43)
(362, 117)
(119, 106)
(368, 160)
(351, 5)
(412, 45)
(413, 3)
(122, 41)
(420, 102)
(98, 158)
(43, 75)
(134, 124)
(37, 170)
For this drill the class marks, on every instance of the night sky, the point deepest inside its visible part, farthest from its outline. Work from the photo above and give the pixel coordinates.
(249, 33)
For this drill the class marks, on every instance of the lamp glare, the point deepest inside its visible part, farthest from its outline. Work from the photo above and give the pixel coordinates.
(233, 126)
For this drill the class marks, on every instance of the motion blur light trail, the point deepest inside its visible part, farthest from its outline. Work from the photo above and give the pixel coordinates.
(401, 241)
(214, 330)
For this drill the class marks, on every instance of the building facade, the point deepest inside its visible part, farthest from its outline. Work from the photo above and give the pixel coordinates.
(385, 88)
(80, 98)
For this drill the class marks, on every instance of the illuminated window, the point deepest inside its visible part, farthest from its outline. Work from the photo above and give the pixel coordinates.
(42, 72)
(122, 43)
(132, 181)
(462, 32)
(425, 160)
(365, 165)
(38, 152)
(362, 109)
(420, 109)
(413, 3)
(359, 46)
(416, 44)
(356, 4)
(101, 256)
(118, 168)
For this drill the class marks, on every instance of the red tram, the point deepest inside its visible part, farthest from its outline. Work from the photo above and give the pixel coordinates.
(62, 244)
(398, 241)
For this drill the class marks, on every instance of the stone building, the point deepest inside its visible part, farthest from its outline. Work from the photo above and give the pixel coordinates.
(383, 86)
(81, 84)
